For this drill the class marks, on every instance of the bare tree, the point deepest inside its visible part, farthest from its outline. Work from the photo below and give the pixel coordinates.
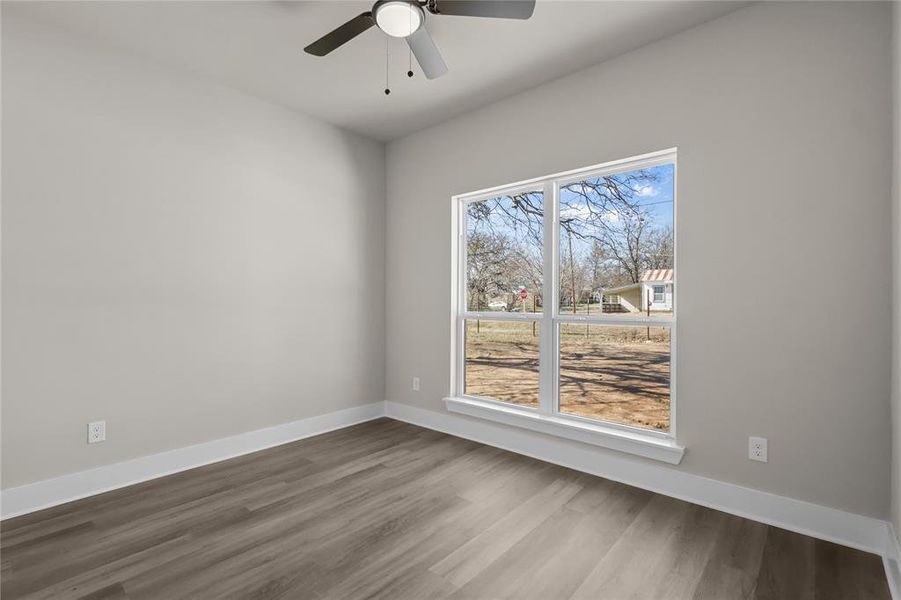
(504, 242)
(608, 211)
(595, 260)
(658, 249)
(608, 238)
(486, 267)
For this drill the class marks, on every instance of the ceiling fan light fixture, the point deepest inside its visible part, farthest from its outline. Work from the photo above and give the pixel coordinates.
(398, 18)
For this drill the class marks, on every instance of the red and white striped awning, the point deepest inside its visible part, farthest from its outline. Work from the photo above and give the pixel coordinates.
(664, 275)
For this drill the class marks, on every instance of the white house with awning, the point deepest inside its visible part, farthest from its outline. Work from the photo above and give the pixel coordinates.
(655, 287)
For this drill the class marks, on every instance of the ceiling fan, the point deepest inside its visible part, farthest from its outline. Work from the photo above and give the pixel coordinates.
(406, 19)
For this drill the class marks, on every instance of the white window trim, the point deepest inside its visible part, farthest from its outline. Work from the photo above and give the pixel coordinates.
(597, 433)
(546, 419)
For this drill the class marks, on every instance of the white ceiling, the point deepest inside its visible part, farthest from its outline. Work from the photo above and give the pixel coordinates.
(257, 47)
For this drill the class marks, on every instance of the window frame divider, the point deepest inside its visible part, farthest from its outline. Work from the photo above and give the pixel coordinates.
(547, 361)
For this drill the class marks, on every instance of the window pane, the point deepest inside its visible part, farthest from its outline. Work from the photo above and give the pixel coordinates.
(616, 244)
(502, 361)
(619, 374)
(504, 238)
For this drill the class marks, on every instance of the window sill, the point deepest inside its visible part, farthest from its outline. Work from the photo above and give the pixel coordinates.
(647, 446)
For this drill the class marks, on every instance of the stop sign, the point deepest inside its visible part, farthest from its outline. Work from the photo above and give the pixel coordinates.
(523, 294)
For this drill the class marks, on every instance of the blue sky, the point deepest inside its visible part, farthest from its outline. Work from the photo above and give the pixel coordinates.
(655, 196)
(659, 197)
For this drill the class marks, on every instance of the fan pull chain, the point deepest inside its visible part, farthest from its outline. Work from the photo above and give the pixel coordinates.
(410, 52)
(387, 89)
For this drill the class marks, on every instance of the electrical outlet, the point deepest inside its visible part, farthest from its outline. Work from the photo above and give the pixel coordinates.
(757, 449)
(96, 432)
(416, 384)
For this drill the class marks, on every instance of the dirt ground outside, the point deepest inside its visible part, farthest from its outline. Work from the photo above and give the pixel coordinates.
(606, 372)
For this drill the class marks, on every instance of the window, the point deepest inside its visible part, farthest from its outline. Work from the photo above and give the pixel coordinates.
(502, 361)
(504, 252)
(504, 276)
(616, 373)
(659, 294)
(550, 322)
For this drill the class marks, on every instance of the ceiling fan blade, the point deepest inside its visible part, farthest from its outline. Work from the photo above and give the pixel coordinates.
(341, 35)
(426, 53)
(498, 9)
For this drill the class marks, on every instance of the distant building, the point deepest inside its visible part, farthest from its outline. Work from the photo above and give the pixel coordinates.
(656, 287)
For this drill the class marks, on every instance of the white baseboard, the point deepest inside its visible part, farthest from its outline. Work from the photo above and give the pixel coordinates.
(856, 531)
(51, 492)
(891, 560)
(817, 521)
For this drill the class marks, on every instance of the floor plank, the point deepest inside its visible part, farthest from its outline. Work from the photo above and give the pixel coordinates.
(389, 510)
(734, 563)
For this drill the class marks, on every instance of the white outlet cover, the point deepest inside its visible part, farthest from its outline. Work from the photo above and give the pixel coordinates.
(96, 432)
(757, 449)
(416, 384)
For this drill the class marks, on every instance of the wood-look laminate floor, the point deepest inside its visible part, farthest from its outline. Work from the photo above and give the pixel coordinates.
(389, 510)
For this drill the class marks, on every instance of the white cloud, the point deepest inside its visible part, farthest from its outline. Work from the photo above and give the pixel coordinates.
(581, 211)
(648, 191)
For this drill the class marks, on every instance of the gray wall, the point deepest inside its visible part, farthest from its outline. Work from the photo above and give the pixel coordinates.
(781, 113)
(179, 259)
